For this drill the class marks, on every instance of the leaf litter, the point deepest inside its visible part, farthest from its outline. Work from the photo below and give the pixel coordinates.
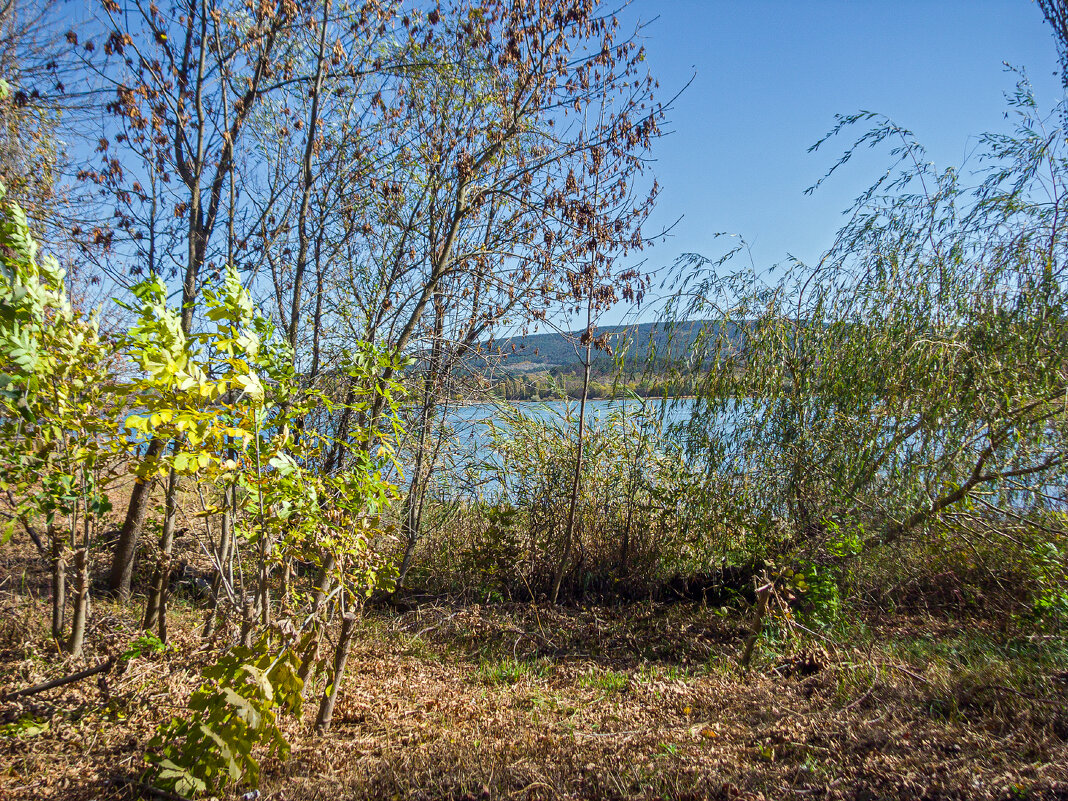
(539, 702)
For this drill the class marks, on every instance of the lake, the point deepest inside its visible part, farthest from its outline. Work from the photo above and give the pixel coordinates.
(466, 450)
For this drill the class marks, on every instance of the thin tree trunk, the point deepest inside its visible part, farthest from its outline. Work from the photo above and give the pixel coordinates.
(81, 603)
(569, 531)
(411, 517)
(576, 485)
(317, 319)
(263, 595)
(432, 285)
(226, 536)
(624, 549)
(341, 655)
(59, 584)
(222, 554)
(336, 459)
(287, 580)
(411, 537)
(411, 512)
(307, 662)
(758, 624)
(413, 502)
(155, 610)
(322, 587)
(122, 561)
(248, 613)
(190, 166)
(263, 591)
(307, 179)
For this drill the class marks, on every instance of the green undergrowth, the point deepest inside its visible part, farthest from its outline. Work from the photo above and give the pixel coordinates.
(508, 671)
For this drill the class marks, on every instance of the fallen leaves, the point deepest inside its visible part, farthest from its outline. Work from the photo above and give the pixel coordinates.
(417, 720)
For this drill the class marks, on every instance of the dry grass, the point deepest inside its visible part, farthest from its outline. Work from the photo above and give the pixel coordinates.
(641, 701)
(644, 703)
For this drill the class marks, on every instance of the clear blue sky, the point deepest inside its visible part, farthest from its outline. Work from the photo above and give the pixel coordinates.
(771, 75)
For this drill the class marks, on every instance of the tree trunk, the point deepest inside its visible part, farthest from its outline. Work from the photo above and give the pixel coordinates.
(156, 609)
(336, 460)
(287, 582)
(758, 624)
(576, 485)
(411, 518)
(322, 587)
(81, 603)
(411, 514)
(122, 561)
(413, 502)
(59, 585)
(248, 615)
(341, 655)
(307, 662)
(263, 590)
(222, 555)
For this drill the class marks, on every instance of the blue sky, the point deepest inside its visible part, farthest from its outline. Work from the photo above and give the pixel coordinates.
(771, 75)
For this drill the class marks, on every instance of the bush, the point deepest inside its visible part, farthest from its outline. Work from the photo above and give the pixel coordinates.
(632, 518)
(912, 381)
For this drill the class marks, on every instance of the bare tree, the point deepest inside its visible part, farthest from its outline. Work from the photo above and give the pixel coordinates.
(480, 194)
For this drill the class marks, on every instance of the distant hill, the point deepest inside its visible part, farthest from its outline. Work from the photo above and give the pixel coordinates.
(541, 352)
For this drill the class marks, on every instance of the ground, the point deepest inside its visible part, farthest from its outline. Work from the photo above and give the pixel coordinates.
(539, 702)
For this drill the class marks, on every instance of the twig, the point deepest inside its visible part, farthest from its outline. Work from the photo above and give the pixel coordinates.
(434, 626)
(532, 634)
(48, 685)
(1033, 698)
(908, 672)
(859, 700)
(807, 630)
(531, 786)
(606, 733)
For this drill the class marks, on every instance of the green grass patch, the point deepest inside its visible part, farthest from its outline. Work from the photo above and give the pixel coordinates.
(607, 681)
(508, 671)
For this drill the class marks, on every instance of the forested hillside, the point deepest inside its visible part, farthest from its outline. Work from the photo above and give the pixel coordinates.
(655, 344)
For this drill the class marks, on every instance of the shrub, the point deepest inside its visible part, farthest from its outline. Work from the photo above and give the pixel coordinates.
(916, 376)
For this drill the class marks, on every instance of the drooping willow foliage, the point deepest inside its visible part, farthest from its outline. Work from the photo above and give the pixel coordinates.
(918, 372)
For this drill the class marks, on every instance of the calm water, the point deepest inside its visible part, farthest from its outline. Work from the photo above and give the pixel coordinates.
(470, 462)
(471, 422)
(465, 447)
